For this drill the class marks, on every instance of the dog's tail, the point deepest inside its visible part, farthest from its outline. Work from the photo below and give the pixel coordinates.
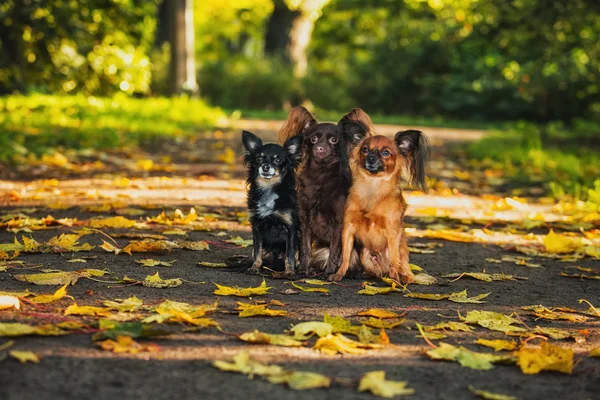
(320, 256)
(297, 122)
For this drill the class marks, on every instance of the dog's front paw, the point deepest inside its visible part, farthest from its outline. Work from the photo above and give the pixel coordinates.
(253, 270)
(291, 275)
(335, 277)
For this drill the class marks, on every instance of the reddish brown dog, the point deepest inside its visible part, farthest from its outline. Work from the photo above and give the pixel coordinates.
(375, 208)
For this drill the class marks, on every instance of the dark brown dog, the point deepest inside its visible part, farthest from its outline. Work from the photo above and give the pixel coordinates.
(374, 212)
(324, 180)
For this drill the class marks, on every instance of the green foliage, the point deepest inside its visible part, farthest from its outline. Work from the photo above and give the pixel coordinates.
(36, 124)
(564, 157)
(87, 46)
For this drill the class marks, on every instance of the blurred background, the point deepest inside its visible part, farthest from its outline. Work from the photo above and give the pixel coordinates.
(106, 74)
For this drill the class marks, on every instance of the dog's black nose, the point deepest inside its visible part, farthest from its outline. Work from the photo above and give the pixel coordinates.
(319, 149)
(371, 159)
(266, 168)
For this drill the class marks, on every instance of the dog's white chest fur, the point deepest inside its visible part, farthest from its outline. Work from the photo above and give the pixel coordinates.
(266, 205)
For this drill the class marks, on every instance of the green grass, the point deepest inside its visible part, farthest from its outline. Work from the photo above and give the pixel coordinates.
(36, 124)
(333, 116)
(566, 159)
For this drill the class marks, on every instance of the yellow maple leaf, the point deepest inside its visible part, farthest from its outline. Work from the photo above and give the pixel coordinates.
(242, 363)
(126, 344)
(498, 344)
(251, 310)
(51, 278)
(242, 292)
(427, 296)
(334, 344)
(450, 325)
(112, 222)
(149, 262)
(24, 356)
(49, 298)
(594, 352)
(68, 242)
(305, 330)
(461, 297)
(238, 241)
(212, 264)
(7, 302)
(558, 244)
(301, 380)
(466, 357)
(484, 394)
(371, 290)
(257, 337)
(493, 321)
(381, 324)
(548, 357)
(378, 313)
(424, 279)
(19, 329)
(340, 324)
(376, 383)
(155, 281)
(128, 305)
(309, 289)
(114, 249)
(74, 309)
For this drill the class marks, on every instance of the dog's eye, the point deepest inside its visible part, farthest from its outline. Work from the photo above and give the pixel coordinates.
(259, 159)
(277, 161)
(314, 139)
(333, 140)
(386, 153)
(365, 150)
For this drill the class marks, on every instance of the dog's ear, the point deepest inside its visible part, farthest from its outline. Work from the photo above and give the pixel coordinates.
(293, 148)
(359, 115)
(414, 148)
(251, 141)
(353, 131)
(298, 122)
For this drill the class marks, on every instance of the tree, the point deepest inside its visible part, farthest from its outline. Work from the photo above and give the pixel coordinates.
(289, 31)
(183, 65)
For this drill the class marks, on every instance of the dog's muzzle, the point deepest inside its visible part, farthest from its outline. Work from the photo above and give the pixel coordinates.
(266, 171)
(373, 164)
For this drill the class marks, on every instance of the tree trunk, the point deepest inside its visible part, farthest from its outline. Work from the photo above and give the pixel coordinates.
(288, 34)
(183, 66)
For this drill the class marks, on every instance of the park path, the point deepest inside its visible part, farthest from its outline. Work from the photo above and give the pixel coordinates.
(469, 217)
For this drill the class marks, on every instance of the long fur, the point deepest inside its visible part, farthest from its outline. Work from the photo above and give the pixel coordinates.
(298, 122)
(414, 147)
(374, 212)
(359, 115)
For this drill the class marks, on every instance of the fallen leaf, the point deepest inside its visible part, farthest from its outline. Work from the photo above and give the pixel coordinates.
(370, 290)
(334, 344)
(461, 297)
(212, 264)
(196, 246)
(427, 296)
(595, 352)
(379, 313)
(305, 330)
(366, 336)
(340, 324)
(24, 356)
(493, 321)
(18, 329)
(243, 364)
(238, 241)
(49, 298)
(484, 394)
(149, 262)
(59, 278)
(126, 344)
(155, 281)
(560, 244)
(553, 333)
(465, 357)
(128, 305)
(381, 324)
(114, 249)
(74, 309)
(112, 329)
(301, 380)
(519, 260)
(376, 383)
(242, 292)
(450, 325)
(481, 276)
(424, 279)
(257, 337)
(309, 289)
(580, 276)
(68, 242)
(251, 310)
(498, 344)
(548, 357)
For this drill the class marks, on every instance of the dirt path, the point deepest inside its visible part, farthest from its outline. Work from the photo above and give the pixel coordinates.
(461, 207)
